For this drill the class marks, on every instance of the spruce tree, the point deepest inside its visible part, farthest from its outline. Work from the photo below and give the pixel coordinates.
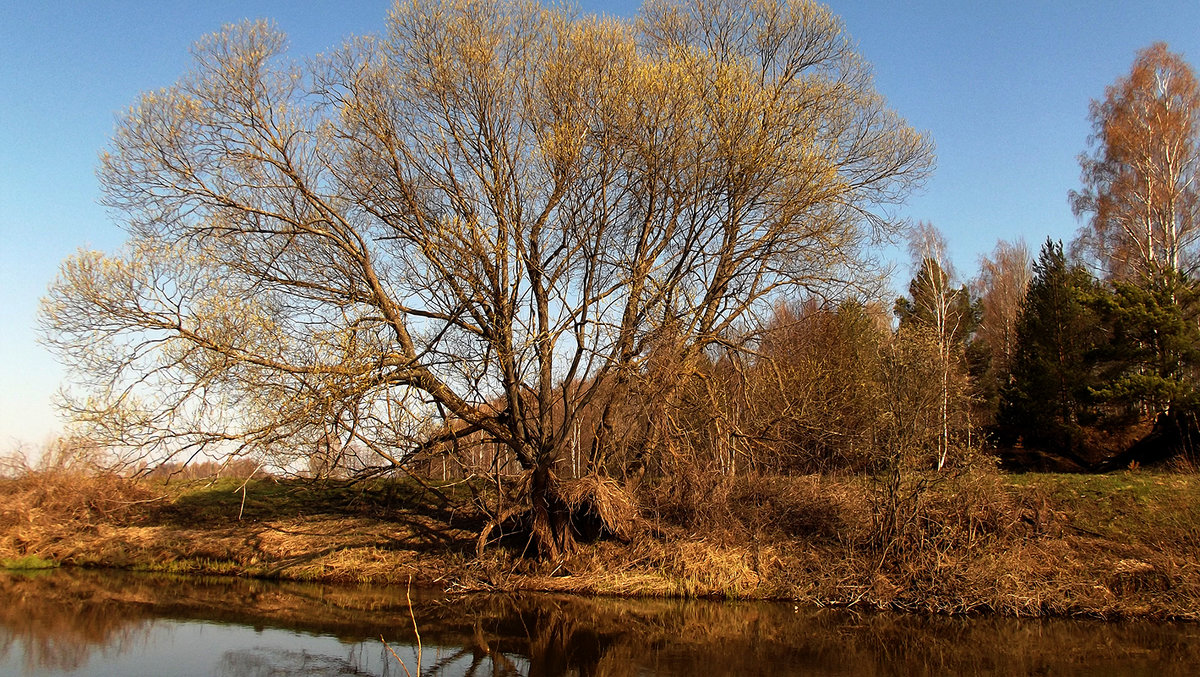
(1046, 399)
(1149, 366)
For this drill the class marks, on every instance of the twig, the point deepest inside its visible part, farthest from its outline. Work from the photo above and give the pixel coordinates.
(1081, 530)
(398, 658)
(120, 502)
(408, 598)
(243, 489)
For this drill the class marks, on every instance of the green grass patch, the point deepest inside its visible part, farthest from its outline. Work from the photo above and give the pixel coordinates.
(27, 563)
(1147, 507)
(194, 565)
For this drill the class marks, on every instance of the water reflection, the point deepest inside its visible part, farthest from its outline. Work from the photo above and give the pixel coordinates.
(268, 662)
(95, 623)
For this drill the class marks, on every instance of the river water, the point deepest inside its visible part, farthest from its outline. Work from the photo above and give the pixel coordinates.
(71, 622)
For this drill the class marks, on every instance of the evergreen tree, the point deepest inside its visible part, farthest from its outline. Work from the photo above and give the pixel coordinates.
(1045, 402)
(1149, 365)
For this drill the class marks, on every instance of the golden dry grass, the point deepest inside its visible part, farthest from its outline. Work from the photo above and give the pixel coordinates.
(41, 512)
(604, 499)
(1110, 547)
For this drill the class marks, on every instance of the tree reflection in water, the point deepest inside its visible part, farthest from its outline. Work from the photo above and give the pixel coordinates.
(59, 624)
(76, 620)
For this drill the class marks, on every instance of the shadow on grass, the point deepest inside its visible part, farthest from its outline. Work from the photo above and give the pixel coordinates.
(410, 516)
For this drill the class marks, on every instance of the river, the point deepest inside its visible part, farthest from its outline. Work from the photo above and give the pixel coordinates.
(96, 623)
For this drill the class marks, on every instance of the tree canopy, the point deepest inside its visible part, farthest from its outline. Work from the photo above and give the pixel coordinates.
(1141, 188)
(483, 221)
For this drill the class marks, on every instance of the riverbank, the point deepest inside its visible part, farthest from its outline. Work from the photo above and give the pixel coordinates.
(1123, 545)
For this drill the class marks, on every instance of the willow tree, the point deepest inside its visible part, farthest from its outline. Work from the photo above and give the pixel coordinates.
(480, 222)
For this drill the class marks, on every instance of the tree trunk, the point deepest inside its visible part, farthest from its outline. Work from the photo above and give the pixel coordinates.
(549, 516)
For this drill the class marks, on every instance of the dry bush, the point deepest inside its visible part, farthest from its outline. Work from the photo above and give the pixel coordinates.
(65, 495)
(809, 507)
(754, 506)
(797, 397)
(941, 517)
(811, 397)
(603, 503)
(681, 498)
(973, 508)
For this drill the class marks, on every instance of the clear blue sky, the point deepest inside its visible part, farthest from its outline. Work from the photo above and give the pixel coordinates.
(1003, 87)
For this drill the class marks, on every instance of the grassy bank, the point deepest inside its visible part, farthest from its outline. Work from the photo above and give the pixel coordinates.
(1109, 546)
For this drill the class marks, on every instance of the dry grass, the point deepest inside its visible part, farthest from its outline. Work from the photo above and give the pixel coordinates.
(976, 541)
(1111, 546)
(41, 510)
(604, 500)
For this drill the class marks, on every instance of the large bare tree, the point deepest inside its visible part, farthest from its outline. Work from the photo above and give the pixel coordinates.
(481, 222)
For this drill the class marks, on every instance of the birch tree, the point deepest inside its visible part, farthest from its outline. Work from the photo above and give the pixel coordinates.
(944, 308)
(481, 222)
(1140, 190)
(1004, 276)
